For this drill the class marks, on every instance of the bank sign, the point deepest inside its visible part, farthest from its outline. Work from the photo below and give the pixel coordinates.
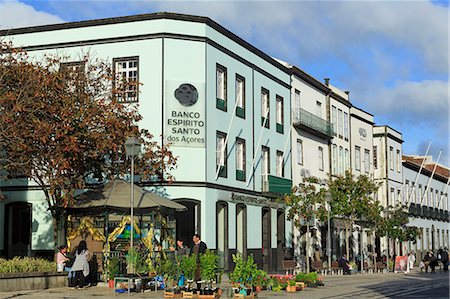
(185, 114)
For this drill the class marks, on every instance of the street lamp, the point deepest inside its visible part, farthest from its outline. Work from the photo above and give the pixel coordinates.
(329, 199)
(132, 149)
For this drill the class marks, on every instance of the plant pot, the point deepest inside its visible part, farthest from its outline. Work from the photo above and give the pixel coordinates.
(291, 289)
(258, 289)
(300, 284)
(111, 283)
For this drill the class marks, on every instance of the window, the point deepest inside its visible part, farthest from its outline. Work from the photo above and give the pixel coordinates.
(265, 115)
(399, 199)
(399, 160)
(391, 157)
(297, 103)
(334, 119)
(375, 157)
(74, 72)
(346, 125)
(240, 96)
(335, 159)
(299, 151)
(318, 109)
(240, 159)
(279, 112)
(320, 158)
(357, 158)
(280, 164)
(347, 159)
(341, 160)
(221, 154)
(420, 195)
(392, 197)
(407, 189)
(265, 167)
(126, 79)
(366, 160)
(340, 122)
(221, 87)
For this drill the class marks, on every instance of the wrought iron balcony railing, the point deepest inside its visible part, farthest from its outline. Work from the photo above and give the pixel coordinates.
(306, 119)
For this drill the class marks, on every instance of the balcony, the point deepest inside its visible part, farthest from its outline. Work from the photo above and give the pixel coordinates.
(310, 122)
(274, 184)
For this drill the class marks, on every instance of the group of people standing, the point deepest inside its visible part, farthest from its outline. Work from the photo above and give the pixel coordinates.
(430, 260)
(81, 270)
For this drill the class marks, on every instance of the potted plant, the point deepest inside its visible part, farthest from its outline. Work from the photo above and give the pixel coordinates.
(208, 270)
(113, 270)
(291, 286)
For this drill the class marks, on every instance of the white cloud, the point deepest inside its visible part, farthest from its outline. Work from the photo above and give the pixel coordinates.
(15, 14)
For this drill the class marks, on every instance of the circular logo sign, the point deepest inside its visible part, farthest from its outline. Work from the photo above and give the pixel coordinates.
(186, 94)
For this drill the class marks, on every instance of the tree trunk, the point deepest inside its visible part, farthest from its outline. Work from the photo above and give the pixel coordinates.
(347, 241)
(307, 247)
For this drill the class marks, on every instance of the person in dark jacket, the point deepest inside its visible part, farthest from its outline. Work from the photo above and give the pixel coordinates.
(198, 248)
(426, 261)
(444, 258)
(344, 264)
(433, 262)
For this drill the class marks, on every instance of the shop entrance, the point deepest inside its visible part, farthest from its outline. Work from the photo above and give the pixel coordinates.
(188, 222)
(17, 229)
(266, 240)
(281, 238)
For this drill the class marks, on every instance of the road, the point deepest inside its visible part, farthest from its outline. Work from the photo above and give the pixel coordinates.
(387, 285)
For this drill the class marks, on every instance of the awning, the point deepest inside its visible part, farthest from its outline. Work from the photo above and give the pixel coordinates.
(115, 196)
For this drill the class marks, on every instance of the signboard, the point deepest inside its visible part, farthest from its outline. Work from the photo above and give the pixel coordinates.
(401, 263)
(185, 114)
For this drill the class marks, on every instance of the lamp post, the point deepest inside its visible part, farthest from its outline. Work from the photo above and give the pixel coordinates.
(329, 199)
(132, 149)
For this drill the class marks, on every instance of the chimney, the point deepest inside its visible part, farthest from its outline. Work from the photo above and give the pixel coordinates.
(348, 95)
(327, 81)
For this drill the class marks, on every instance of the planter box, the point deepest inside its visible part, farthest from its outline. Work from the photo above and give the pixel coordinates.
(241, 296)
(172, 295)
(291, 289)
(10, 282)
(188, 295)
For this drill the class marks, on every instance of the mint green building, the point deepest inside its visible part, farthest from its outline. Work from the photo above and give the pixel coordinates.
(223, 105)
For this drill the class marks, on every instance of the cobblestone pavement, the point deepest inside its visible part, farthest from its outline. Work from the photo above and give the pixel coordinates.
(387, 285)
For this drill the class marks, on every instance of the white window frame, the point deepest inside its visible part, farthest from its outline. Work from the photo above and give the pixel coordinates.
(221, 82)
(297, 103)
(280, 164)
(334, 120)
(299, 152)
(265, 166)
(318, 109)
(398, 160)
(279, 109)
(240, 154)
(321, 162)
(265, 105)
(240, 91)
(340, 124)
(357, 158)
(126, 69)
(366, 161)
(221, 150)
(391, 157)
(346, 126)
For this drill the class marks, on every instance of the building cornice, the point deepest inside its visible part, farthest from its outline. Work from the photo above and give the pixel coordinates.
(424, 171)
(388, 135)
(146, 17)
(362, 119)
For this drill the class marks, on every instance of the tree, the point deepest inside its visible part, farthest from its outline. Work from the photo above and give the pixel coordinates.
(352, 200)
(61, 123)
(306, 202)
(394, 224)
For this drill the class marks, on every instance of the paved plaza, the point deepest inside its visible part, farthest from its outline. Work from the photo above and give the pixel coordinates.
(388, 285)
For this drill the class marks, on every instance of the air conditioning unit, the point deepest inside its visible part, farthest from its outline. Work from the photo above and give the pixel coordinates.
(305, 173)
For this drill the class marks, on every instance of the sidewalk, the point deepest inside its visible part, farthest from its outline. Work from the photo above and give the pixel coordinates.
(358, 286)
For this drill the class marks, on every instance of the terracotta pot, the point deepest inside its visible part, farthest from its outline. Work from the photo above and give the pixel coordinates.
(111, 283)
(291, 289)
(258, 289)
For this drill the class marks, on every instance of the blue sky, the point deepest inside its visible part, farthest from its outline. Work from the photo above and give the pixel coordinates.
(393, 56)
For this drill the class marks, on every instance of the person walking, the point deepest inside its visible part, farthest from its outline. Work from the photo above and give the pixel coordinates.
(411, 260)
(81, 265)
(444, 257)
